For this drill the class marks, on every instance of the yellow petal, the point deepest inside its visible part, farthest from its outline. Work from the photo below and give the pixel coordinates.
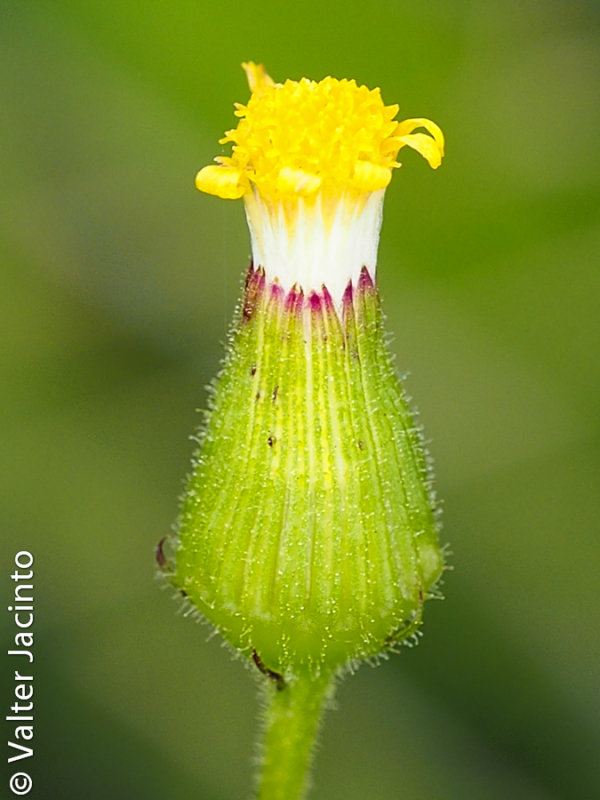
(424, 145)
(369, 177)
(225, 182)
(258, 77)
(409, 125)
(430, 147)
(391, 111)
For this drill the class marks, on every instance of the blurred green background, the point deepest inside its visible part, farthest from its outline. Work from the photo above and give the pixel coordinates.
(118, 284)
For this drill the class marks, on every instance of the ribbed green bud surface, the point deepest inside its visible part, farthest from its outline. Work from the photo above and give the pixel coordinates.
(307, 532)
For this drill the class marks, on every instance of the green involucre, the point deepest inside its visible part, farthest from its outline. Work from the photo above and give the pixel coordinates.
(307, 532)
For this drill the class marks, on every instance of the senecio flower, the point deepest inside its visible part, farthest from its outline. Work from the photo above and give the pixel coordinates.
(308, 533)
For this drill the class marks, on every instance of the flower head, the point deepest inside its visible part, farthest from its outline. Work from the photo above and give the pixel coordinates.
(312, 161)
(300, 138)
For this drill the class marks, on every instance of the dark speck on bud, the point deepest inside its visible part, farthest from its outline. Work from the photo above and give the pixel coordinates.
(160, 555)
(274, 676)
(255, 281)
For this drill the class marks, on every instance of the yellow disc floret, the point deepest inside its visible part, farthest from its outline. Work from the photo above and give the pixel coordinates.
(302, 138)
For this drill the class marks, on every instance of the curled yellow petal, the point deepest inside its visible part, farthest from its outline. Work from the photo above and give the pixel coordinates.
(430, 147)
(369, 177)
(424, 145)
(225, 182)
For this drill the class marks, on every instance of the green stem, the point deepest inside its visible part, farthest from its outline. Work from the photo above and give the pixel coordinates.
(292, 720)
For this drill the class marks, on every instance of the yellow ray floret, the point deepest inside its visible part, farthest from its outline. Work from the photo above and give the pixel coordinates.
(301, 138)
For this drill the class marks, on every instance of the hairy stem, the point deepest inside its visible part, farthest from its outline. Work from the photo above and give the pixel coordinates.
(292, 720)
